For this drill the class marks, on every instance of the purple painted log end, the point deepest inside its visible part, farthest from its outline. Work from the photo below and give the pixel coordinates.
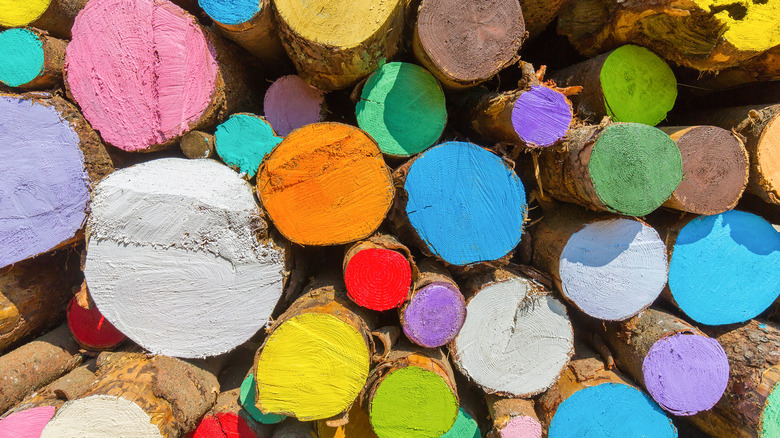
(290, 103)
(434, 315)
(541, 116)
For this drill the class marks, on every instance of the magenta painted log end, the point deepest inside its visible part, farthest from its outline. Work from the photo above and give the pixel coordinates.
(434, 315)
(26, 424)
(290, 103)
(522, 427)
(541, 116)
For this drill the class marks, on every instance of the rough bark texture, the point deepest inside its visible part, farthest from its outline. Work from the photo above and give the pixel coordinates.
(539, 14)
(197, 144)
(589, 104)
(503, 410)
(764, 67)
(59, 17)
(36, 364)
(53, 63)
(258, 36)
(66, 388)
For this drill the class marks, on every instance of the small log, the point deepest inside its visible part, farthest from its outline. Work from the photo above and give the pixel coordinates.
(760, 126)
(466, 44)
(53, 157)
(698, 34)
(402, 107)
(31, 59)
(229, 271)
(194, 79)
(197, 144)
(247, 397)
(290, 103)
(251, 25)
(140, 395)
(359, 425)
(335, 44)
(378, 272)
(538, 14)
(325, 184)
(517, 338)
(464, 204)
(590, 400)
(292, 428)
(28, 423)
(715, 169)
(54, 395)
(513, 418)
(36, 364)
(298, 371)
(625, 168)
(683, 369)
(54, 16)
(735, 254)
(436, 310)
(750, 408)
(242, 142)
(594, 260)
(412, 392)
(89, 327)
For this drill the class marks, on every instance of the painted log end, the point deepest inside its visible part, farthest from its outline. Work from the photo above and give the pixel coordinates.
(290, 103)
(378, 278)
(227, 424)
(242, 142)
(21, 57)
(434, 315)
(18, 13)
(27, 423)
(247, 396)
(100, 415)
(91, 329)
(541, 116)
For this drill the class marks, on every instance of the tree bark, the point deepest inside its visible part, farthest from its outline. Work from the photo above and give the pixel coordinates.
(50, 75)
(66, 388)
(539, 14)
(197, 144)
(515, 413)
(59, 17)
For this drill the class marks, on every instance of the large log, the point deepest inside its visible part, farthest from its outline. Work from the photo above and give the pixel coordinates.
(290, 103)
(595, 259)
(464, 44)
(192, 79)
(325, 184)
(379, 272)
(243, 140)
(629, 84)
(52, 158)
(701, 34)
(53, 16)
(513, 418)
(517, 338)
(30, 59)
(625, 168)
(735, 254)
(228, 270)
(335, 44)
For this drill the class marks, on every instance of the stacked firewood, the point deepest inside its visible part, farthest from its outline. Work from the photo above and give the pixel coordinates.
(389, 218)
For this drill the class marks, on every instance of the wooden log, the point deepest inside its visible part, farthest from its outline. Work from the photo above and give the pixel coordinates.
(33, 295)
(436, 309)
(735, 254)
(539, 14)
(140, 395)
(53, 16)
(464, 204)
(762, 68)
(412, 393)
(590, 400)
(335, 44)
(715, 169)
(31, 59)
(326, 184)
(629, 84)
(36, 364)
(517, 338)
(760, 125)
(197, 144)
(595, 259)
(247, 397)
(466, 44)
(242, 142)
(402, 107)
(513, 418)
(625, 168)
(251, 25)
(53, 159)
(750, 408)
(66, 388)
(298, 371)
(684, 370)
(229, 271)
(195, 79)
(88, 326)
(700, 34)
(466, 426)
(378, 272)
(292, 428)
(290, 103)
(359, 425)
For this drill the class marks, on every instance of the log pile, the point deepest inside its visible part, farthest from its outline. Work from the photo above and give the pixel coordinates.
(387, 219)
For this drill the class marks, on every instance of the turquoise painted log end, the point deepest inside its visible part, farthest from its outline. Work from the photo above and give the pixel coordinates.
(246, 398)
(465, 427)
(21, 56)
(230, 12)
(243, 141)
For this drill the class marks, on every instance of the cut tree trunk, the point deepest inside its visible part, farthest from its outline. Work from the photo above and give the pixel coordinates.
(436, 309)
(750, 407)
(594, 259)
(335, 44)
(229, 269)
(58, 16)
(696, 34)
(513, 418)
(716, 169)
(197, 144)
(53, 158)
(298, 371)
(763, 68)
(36, 364)
(290, 103)
(195, 79)
(88, 326)
(143, 396)
(625, 168)
(242, 142)
(412, 391)
(34, 60)
(538, 14)
(359, 425)
(464, 44)
(66, 388)
(517, 338)
(33, 295)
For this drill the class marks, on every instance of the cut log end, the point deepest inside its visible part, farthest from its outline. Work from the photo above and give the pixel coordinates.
(599, 264)
(91, 329)
(231, 12)
(726, 252)
(413, 402)
(434, 315)
(541, 116)
(465, 426)
(521, 427)
(197, 144)
(634, 168)
(686, 373)
(100, 416)
(243, 141)
(18, 13)
(770, 416)
(247, 396)
(21, 57)
(378, 279)
(28, 423)
(359, 425)
(402, 107)
(768, 158)
(290, 103)
(223, 424)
